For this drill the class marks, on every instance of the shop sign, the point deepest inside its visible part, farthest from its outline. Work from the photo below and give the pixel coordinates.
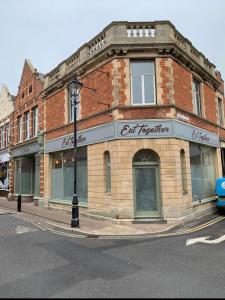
(85, 137)
(4, 156)
(134, 129)
(24, 150)
(195, 134)
(144, 129)
(68, 142)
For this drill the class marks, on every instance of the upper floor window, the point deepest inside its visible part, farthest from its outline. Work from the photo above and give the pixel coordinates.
(143, 82)
(7, 134)
(197, 98)
(35, 121)
(27, 127)
(1, 137)
(220, 112)
(23, 95)
(30, 88)
(19, 124)
(71, 108)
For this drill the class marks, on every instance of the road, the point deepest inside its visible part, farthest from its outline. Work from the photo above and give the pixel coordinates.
(38, 263)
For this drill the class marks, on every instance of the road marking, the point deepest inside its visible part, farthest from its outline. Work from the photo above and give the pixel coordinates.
(205, 240)
(23, 229)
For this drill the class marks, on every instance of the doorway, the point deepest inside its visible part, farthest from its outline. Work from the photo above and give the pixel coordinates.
(146, 184)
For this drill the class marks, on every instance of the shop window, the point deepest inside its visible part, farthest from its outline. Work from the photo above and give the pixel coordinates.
(202, 171)
(4, 181)
(143, 82)
(107, 167)
(197, 98)
(63, 175)
(24, 176)
(183, 171)
(37, 176)
(57, 175)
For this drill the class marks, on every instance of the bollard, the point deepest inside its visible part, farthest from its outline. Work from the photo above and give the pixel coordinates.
(19, 203)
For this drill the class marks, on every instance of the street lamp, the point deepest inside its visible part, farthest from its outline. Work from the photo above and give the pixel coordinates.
(74, 88)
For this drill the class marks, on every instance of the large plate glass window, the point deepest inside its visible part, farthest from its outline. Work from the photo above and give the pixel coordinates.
(63, 175)
(202, 171)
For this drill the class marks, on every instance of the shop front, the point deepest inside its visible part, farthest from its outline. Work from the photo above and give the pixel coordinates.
(139, 169)
(4, 173)
(62, 178)
(27, 171)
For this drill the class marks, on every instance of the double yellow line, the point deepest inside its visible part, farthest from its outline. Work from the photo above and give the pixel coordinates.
(197, 228)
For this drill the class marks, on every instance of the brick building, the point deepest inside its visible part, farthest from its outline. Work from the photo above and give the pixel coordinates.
(149, 139)
(6, 108)
(26, 147)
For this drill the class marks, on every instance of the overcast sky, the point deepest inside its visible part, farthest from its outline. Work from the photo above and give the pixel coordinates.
(48, 31)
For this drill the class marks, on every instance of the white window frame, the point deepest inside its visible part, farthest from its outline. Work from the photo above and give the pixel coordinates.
(71, 110)
(27, 125)
(2, 137)
(220, 111)
(35, 121)
(20, 129)
(195, 96)
(143, 103)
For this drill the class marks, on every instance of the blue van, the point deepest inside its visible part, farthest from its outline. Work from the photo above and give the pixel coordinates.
(220, 192)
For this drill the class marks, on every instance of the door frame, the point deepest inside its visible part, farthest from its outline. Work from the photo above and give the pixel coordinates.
(147, 214)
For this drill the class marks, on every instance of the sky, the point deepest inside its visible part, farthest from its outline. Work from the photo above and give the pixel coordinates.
(49, 31)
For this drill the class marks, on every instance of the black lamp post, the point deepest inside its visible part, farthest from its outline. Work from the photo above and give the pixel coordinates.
(74, 88)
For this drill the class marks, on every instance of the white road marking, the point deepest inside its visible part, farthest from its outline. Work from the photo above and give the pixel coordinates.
(22, 229)
(205, 240)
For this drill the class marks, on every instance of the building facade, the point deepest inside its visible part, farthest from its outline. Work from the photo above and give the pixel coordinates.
(6, 102)
(151, 134)
(26, 148)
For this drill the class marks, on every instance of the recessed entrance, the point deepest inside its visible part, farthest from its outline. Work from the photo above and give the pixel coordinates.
(146, 184)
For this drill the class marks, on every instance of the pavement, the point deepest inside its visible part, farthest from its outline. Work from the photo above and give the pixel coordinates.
(89, 227)
(61, 220)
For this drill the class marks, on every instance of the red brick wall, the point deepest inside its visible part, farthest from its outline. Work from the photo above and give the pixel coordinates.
(55, 110)
(210, 103)
(26, 103)
(166, 84)
(93, 102)
(182, 87)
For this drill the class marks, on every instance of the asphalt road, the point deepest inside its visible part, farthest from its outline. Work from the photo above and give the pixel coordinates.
(37, 263)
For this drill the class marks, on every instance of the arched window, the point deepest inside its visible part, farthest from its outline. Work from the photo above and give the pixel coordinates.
(146, 157)
(183, 171)
(107, 167)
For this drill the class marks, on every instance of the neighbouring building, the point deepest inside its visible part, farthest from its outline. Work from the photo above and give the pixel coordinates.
(26, 147)
(6, 108)
(150, 138)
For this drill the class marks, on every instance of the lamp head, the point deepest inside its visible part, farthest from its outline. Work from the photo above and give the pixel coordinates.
(74, 87)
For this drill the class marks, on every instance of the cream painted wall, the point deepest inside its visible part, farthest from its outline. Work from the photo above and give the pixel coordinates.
(6, 103)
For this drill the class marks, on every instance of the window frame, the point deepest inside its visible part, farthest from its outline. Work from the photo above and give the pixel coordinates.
(143, 103)
(20, 129)
(220, 111)
(27, 125)
(35, 121)
(194, 93)
(108, 174)
(71, 113)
